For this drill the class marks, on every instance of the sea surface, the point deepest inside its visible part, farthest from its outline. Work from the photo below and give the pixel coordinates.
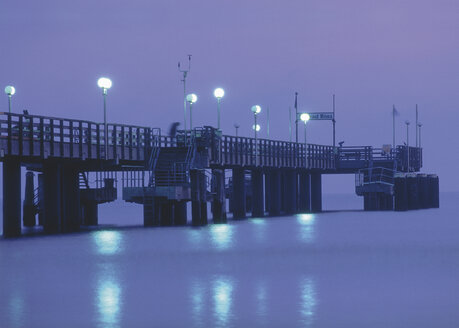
(346, 268)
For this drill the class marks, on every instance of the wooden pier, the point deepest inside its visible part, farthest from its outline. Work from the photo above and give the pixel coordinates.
(76, 171)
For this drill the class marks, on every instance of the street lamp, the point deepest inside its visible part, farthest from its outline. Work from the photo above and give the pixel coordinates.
(408, 144)
(105, 84)
(219, 93)
(9, 90)
(236, 126)
(256, 109)
(191, 98)
(305, 118)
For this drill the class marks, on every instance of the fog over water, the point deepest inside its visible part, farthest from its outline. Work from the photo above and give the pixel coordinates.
(334, 269)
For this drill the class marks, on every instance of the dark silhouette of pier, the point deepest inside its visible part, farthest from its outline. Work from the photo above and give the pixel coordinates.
(76, 172)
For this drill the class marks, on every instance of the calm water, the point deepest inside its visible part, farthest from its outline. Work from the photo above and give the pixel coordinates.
(334, 269)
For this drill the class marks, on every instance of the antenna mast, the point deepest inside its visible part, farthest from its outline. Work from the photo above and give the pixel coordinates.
(185, 73)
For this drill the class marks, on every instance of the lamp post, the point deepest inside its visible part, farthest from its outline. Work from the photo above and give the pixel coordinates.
(236, 126)
(105, 84)
(256, 127)
(9, 90)
(191, 98)
(305, 118)
(419, 126)
(407, 144)
(219, 93)
(185, 74)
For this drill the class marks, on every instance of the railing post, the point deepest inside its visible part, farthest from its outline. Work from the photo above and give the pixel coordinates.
(137, 146)
(21, 135)
(98, 140)
(61, 137)
(81, 138)
(123, 142)
(71, 138)
(89, 140)
(42, 138)
(30, 123)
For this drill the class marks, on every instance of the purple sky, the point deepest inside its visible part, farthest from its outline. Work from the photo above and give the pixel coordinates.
(371, 54)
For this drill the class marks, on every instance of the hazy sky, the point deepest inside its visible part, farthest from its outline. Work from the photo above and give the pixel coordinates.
(371, 54)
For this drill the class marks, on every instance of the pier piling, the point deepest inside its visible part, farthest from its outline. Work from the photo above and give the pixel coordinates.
(219, 201)
(11, 198)
(53, 192)
(28, 206)
(274, 192)
(304, 198)
(316, 192)
(239, 194)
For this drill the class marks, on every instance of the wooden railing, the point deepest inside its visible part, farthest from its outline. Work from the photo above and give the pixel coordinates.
(39, 136)
(236, 151)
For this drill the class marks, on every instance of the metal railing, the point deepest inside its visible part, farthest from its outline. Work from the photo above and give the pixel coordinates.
(380, 175)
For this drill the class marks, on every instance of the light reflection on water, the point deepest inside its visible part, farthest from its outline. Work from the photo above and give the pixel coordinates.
(222, 289)
(308, 301)
(109, 303)
(16, 309)
(307, 231)
(197, 302)
(108, 298)
(300, 271)
(262, 306)
(108, 242)
(222, 236)
(260, 229)
(195, 237)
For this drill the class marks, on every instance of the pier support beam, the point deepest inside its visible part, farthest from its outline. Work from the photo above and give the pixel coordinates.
(290, 191)
(304, 199)
(28, 207)
(274, 192)
(52, 187)
(180, 215)
(400, 193)
(412, 190)
(316, 192)
(219, 201)
(258, 208)
(239, 194)
(423, 187)
(166, 212)
(41, 200)
(150, 217)
(203, 196)
(198, 198)
(71, 210)
(11, 198)
(195, 198)
(90, 213)
(378, 201)
(434, 190)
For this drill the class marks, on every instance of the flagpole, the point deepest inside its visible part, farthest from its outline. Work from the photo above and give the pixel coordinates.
(334, 122)
(267, 109)
(393, 126)
(296, 116)
(417, 126)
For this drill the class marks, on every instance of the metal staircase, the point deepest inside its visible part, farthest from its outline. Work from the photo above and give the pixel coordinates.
(374, 179)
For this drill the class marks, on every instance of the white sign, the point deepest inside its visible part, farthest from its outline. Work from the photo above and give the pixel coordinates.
(321, 116)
